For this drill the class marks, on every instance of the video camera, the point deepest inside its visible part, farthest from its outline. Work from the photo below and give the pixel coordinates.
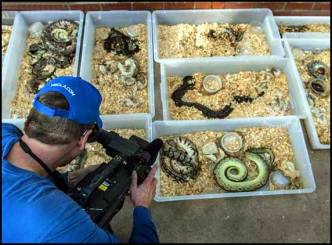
(102, 192)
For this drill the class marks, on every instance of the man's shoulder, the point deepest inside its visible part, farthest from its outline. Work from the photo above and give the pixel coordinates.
(8, 128)
(9, 134)
(45, 213)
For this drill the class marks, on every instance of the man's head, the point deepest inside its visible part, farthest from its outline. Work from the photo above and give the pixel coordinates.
(64, 113)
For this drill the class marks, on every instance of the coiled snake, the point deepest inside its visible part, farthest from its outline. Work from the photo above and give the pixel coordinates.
(230, 181)
(179, 159)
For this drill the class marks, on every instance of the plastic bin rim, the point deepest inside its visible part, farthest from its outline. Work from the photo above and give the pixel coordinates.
(117, 11)
(211, 10)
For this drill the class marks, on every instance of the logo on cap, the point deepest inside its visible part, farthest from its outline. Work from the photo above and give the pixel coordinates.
(65, 87)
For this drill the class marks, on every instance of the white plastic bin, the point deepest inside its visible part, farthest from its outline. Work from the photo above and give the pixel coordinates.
(231, 66)
(7, 19)
(15, 54)
(302, 161)
(307, 44)
(116, 19)
(299, 20)
(307, 35)
(234, 16)
(133, 121)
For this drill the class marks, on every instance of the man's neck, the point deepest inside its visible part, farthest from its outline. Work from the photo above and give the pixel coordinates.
(48, 154)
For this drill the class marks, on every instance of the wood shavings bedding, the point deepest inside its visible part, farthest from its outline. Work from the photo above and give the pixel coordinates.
(22, 102)
(306, 28)
(243, 83)
(118, 98)
(5, 36)
(319, 104)
(186, 40)
(96, 154)
(254, 137)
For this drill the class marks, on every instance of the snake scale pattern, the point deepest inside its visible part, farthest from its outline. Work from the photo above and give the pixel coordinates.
(179, 159)
(230, 173)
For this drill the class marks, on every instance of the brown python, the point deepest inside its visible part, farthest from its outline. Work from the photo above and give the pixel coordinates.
(179, 159)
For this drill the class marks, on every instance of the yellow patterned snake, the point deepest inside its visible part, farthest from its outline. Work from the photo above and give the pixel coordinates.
(230, 181)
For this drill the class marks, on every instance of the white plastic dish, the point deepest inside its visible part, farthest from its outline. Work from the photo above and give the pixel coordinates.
(218, 67)
(207, 86)
(15, 53)
(307, 44)
(234, 16)
(302, 161)
(116, 19)
(298, 20)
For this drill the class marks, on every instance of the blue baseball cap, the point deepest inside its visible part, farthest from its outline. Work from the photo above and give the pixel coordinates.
(83, 98)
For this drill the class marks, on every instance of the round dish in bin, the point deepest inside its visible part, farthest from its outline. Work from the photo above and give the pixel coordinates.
(231, 143)
(212, 84)
(318, 87)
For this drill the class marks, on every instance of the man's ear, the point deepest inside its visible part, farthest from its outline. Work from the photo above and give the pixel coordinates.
(84, 138)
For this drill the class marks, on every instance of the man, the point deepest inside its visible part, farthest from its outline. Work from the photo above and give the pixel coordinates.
(34, 209)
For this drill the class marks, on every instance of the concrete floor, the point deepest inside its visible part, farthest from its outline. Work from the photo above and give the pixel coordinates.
(284, 218)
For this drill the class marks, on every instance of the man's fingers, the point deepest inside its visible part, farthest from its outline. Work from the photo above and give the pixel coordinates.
(133, 185)
(152, 173)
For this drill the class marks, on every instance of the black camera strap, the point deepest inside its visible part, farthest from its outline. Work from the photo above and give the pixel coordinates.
(57, 178)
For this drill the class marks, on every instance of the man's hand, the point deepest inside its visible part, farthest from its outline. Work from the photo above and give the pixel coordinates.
(143, 194)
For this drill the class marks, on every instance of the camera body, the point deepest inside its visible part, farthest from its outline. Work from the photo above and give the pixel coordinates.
(102, 192)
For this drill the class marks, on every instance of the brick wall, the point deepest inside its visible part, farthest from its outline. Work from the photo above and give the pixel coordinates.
(278, 8)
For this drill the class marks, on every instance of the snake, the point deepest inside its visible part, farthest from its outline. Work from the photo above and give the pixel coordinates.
(43, 69)
(318, 87)
(232, 35)
(189, 84)
(120, 43)
(317, 69)
(235, 182)
(60, 36)
(179, 159)
(292, 28)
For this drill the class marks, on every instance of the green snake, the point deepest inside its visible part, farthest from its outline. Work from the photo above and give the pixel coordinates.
(230, 181)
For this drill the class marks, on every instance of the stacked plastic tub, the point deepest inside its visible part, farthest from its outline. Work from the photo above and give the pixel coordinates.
(83, 58)
(250, 16)
(296, 21)
(187, 66)
(231, 64)
(18, 44)
(118, 19)
(306, 41)
(302, 41)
